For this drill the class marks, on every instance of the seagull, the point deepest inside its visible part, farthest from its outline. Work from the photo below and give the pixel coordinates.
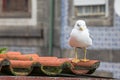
(80, 38)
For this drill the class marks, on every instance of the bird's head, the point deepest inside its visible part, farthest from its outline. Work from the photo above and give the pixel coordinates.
(80, 25)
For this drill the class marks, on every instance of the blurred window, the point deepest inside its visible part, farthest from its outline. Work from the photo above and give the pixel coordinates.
(90, 10)
(91, 7)
(94, 12)
(15, 8)
(13, 15)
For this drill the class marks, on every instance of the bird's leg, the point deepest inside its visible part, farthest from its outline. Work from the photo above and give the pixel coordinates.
(75, 60)
(85, 59)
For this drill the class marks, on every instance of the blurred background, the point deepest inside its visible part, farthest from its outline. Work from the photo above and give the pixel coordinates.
(44, 26)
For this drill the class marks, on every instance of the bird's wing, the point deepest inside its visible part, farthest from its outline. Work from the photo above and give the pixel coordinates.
(90, 34)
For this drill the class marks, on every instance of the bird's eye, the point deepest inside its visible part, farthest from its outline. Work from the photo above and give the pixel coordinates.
(78, 25)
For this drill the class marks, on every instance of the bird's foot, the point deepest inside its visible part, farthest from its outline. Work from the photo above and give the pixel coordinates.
(75, 60)
(85, 60)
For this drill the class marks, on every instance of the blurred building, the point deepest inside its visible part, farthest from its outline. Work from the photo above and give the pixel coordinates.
(22, 24)
(43, 27)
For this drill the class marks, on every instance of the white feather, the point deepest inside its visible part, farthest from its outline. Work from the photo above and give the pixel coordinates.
(79, 38)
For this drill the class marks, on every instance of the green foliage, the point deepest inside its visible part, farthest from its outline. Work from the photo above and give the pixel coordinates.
(3, 50)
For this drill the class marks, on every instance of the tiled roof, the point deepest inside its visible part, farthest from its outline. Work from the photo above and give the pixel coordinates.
(15, 63)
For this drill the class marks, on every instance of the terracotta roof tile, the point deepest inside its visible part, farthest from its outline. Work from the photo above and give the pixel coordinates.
(16, 63)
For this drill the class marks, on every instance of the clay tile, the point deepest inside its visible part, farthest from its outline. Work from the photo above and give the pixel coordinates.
(21, 64)
(19, 57)
(13, 53)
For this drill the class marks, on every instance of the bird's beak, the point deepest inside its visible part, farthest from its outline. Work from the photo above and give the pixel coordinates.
(81, 28)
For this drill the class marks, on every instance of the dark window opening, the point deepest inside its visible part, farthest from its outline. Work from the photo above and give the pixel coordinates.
(15, 5)
(15, 9)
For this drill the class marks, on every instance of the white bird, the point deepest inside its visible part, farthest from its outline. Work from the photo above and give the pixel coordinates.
(80, 38)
